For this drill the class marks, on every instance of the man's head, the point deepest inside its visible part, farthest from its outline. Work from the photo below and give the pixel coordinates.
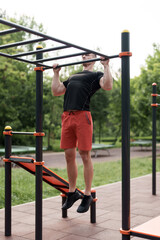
(88, 56)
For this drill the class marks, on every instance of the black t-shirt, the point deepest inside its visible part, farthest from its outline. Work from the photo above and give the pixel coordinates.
(79, 89)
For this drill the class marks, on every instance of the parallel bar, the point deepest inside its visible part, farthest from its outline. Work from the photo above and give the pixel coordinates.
(41, 50)
(22, 43)
(125, 136)
(8, 31)
(48, 37)
(154, 109)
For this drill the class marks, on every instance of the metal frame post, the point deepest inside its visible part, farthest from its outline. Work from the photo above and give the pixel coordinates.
(8, 143)
(154, 108)
(93, 207)
(39, 154)
(125, 136)
(64, 212)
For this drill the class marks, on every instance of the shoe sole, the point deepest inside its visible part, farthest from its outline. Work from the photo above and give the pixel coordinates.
(65, 208)
(86, 210)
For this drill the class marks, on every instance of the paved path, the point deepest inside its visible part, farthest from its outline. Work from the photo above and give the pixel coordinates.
(77, 226)
(57, 160)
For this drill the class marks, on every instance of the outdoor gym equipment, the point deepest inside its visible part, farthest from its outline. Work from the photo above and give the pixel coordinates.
(37, 166)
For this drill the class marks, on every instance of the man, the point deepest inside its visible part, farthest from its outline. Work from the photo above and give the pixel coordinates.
(77, 124)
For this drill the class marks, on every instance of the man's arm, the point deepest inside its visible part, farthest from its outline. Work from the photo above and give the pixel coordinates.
(106, 82)
(57, 87)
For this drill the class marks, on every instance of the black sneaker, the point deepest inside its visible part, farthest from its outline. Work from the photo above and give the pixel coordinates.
(71, 199)
(86, 202)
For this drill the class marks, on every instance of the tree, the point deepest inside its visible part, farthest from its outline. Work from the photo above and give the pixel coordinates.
(141, 89)
(17, 82)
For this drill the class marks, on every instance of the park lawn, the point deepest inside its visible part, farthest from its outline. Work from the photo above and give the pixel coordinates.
(23, 183)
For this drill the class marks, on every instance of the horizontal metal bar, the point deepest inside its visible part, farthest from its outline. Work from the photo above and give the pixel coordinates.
(60, 57)
(8, 31)
(39, 51)
(22, 43)
(23, 133)
(81, 62)
(21, 59)
(22, 28)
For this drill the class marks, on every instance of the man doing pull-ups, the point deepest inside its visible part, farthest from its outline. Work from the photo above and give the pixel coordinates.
(77, 126)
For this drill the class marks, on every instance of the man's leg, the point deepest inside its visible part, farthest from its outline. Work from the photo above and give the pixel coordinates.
(72, 171)
(73, 195)
(88, 170)
(88, 176)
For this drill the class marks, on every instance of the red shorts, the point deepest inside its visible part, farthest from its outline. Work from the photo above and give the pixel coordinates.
(77, 129)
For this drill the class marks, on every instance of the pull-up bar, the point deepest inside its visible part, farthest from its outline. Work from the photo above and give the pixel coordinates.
(43, 37)
(85, 61)
(22, 28)
(81, 62)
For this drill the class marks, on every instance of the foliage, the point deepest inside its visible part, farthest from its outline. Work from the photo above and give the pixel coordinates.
(141, 89)
(18, 83)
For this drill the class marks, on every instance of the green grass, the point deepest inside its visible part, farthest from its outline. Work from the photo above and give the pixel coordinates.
(23, 183)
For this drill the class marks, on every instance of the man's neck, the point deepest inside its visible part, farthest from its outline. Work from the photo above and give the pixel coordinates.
(88, 68)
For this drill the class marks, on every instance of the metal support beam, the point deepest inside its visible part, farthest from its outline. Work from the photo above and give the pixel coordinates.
(125, 136)
(154, 133)
(39, 154)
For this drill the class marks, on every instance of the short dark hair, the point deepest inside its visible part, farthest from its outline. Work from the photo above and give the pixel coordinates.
(94, 54)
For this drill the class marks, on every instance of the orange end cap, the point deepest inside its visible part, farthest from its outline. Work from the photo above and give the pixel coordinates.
(125, 54)
(154, 104)
(9, 133)
(125, 232)
(6, 160)
(154, 94)
(95, 199)
(93, 190)
(39, 69)
(39, 134)
(39, 163)
(63, 195)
